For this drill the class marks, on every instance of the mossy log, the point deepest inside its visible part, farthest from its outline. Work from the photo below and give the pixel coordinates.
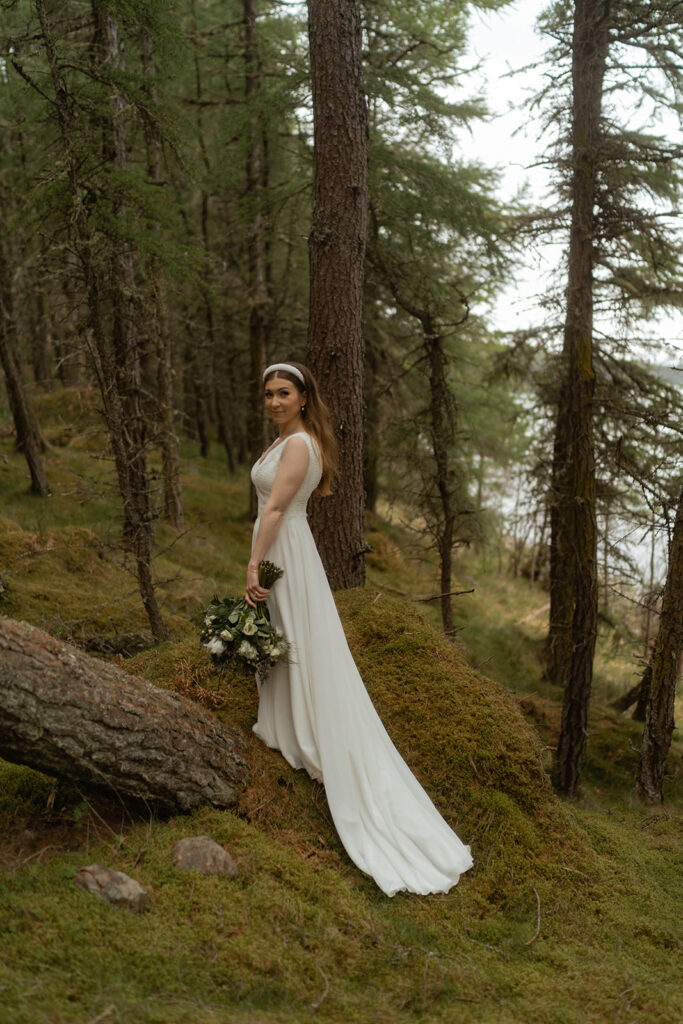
(91, 723)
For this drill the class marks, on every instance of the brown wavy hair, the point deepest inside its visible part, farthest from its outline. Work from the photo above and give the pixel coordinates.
(316, 421)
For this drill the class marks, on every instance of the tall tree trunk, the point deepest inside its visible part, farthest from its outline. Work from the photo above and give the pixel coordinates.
(442, 433)
(40, 348)
(67, 347)
(558, 645)
(666, 656)
(605, 559)
(116, 356)
(223, 424)
(195, 397)
(372, 423)
(337, 254)
(173, 493)
(577, 476)
(256, 273)
(25, 422)
(124, 353)
(216, 346)
(441, 430)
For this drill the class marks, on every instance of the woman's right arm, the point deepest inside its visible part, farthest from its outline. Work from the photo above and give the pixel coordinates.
(288, 479)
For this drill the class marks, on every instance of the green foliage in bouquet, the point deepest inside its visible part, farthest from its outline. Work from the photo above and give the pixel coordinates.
(234, 629)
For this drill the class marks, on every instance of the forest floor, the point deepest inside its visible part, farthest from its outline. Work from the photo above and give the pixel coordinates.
(570, 915)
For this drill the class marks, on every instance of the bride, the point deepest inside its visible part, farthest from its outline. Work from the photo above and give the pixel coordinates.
(314, 708)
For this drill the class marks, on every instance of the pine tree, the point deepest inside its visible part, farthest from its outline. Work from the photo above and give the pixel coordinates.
(435, 249)
(623, 256)
(14, 269)
(663, 672)
(337, 260)
(164, 412)
(573, 518)
(26, 424)
(101, 237)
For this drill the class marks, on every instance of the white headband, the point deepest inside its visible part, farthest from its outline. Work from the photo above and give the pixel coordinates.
(285, 366)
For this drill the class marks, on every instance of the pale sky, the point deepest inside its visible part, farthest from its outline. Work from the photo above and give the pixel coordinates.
(507, 41)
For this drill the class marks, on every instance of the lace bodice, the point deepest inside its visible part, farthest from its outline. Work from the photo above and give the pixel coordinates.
(263, 476)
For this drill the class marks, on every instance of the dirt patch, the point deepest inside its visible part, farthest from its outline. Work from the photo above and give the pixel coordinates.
(70, 820)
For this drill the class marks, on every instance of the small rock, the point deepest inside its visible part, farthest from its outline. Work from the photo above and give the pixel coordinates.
(112, 886)
(202, 853)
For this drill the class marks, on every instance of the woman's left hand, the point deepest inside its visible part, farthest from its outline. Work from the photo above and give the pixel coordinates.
(253, 590)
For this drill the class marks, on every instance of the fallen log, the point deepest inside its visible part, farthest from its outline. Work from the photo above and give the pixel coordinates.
(637, 695)
(91, 723)
(624, 702)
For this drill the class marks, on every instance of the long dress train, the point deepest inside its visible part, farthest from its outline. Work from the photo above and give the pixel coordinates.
(315, 710)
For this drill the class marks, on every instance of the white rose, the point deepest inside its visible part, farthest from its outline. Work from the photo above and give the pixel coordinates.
(226, 634)
(246, 650)
(249, 628)
(215, 646)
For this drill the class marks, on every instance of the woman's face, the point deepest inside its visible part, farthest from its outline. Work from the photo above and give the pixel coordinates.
(283, 402)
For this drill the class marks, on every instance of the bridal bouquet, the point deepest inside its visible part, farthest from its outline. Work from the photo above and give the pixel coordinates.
(233, 629)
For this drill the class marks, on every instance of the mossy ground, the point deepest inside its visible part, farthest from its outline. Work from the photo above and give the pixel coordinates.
(301, 932)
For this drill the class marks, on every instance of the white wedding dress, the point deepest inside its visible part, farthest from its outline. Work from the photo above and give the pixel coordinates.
(315, 710)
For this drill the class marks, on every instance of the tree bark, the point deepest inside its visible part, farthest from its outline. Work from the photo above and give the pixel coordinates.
(576, 520)
(337, 255)
(372, 423)
(558, 645)
(40, 342)
(195, 396)
(25, 422)
(67, 348)
(256, 274)
(120, 356)
(442, 434)
(89, 722)
(168, 443)
(666, 656)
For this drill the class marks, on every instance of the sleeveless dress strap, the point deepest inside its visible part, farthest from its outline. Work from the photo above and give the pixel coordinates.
(313, 445)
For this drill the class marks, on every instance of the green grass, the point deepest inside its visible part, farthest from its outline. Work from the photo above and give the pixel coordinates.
(61, 558)
(265, 946)
(570, 915)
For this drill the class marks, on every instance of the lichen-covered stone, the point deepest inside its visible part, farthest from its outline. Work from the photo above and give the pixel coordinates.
(201, 853)
(113, 886)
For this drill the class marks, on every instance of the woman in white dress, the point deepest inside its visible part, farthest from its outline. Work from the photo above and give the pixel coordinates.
(314, 708)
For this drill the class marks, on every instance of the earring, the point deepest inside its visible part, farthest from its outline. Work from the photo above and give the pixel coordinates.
(303, 410)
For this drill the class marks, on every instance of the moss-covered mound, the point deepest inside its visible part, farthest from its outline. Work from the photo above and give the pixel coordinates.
(79, 584)
(69, 582)
(464, 737)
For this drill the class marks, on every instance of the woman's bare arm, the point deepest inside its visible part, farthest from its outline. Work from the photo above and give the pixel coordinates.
(288, 479)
